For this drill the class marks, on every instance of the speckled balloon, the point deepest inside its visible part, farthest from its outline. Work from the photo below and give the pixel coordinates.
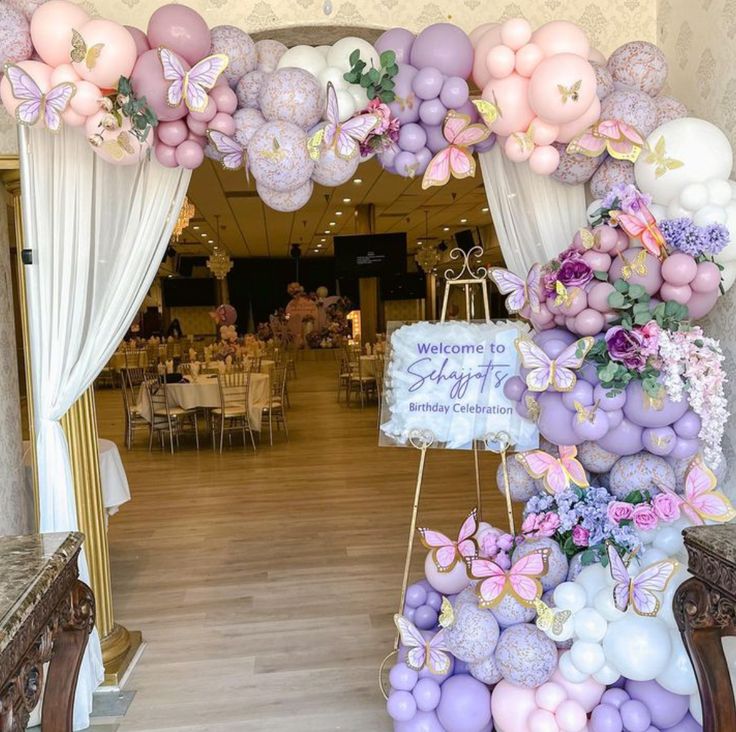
(240, 49)
(603, 79)
(15, 36)
(486, 670)
(639, 65)
(633, 107)
(248, 89)
(557, 561)
(473, 635)
(526, 656)
(288, 201)
(611, 173)
(575, 168)
(510, 612)
(278, 157)
(27, 7)
(575, 567)
(247, 123)
(640, 472)
(292, 95)
(668, 108)
(467, 597)
(331, 170)
(521, 485)
(268, 54)
(594, 458)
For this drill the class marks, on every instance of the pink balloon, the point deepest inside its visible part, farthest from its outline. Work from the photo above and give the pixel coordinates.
(189, 155)
(117, 55)
(678, 293)
(51, 30)
(86, 101)
(544, 160)
(478, 33)
(589, 322)
(500, 61)
(222, 123)
(141, 41)
(701, 303)
(73, 119)
(448, 583)
(541, 720)
(565, 70)
(166, 155)
(63, 73)
(599, 261)
(528, 57)
(209, 112)
(201, 140)
(39, 72)
(596, 57)
(491, 38)
(148, 81)
(180, 29)
(511, 95)
(172, 133)
(598, 296)
(225, 99)
(543, 133)
(679, 268)
(589, 118)
(196, 126)
(606, 237)
(651, 280)
(516, 150)
(571, 716)
(550, 695)
(511, 706)
(561, 36)
(707, 278)
(515, 33)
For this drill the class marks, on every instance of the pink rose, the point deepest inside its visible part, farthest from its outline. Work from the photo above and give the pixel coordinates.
(580, 536)
(651, 332)
(619, 511)
(644, 517)
(550, 524)
(531, 524)
(540, 524)
(666, 507)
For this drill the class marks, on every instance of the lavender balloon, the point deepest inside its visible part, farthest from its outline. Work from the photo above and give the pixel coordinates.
(427, 83)
(555, 421)
(446, 47)
(590, 424)
(398, 40)
(427, 694)
(432, 112)
(436, 140)
(625, 439)
(406, 164)
(406, 105)
(666, 709)
(412, 138)
(647, 412)
(606, 718)
(455, 92)
(465, 705)
(401, 706)
(420, 722)
(659, 440)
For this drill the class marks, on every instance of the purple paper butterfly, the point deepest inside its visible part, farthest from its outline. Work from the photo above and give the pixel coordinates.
(34, 104)
(192, 85)
(233, 153)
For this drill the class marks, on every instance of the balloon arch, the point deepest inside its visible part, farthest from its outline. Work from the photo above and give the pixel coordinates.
(566, 626)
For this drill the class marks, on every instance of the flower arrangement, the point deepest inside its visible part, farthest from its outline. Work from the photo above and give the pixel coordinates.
(294, 289)
(385, 135)
(701, 242)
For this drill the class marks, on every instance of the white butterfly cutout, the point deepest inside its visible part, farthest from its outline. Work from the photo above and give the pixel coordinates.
(233, 153)
(520, 292)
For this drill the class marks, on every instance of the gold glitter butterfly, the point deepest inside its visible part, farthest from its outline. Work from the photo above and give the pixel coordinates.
(447, 613)
(564, 296)
(119, 147)
(650, 401)
(585, 414)
(276, 153)
(532, 407)
(659, 441)
(657, 156)
(572, 93)
(489, 111)
(637, 266)
(586, 238)
(81, 54)
(524, 140)
(407, 102)
(314, 144)
(551, 622)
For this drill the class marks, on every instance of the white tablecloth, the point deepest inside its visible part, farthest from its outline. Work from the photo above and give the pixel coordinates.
(368, 365)
(115, 489)
(204, 392)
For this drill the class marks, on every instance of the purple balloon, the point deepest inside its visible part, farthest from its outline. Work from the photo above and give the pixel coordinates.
(403, 678)
(446, 47)
(514, 388)
(434, 600)
(659, 440)
(472, 111)
(555, 421)
(432, 112)
(424, 156)
(592, 427)
(687, 725)
(406, 106)
(425, 618)
(665, 707)
(401, 706)
(388, 156)
(436, 139)
(428, 82)
(465, 704)
(412, 138)
(427, 694)
(409, 613)
(554, 334)
(614, 418)
(615, 697)
(623, 440)
(635, 716)
(398, 40)
(685, 448)
(606, 718)
(455, 92)
(406, 164)
(416, 595)
(606, 402)
(646, 412)
(421, 722)
(688, 426)
(581, 392)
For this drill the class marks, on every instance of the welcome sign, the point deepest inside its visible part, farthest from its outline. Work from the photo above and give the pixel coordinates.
(449, 378)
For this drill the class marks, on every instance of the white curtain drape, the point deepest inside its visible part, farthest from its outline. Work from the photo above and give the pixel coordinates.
(97, 234)
(535, 216)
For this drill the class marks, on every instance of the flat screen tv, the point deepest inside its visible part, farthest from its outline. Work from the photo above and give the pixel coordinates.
(370, 255)
(409, 286)
(189, 292)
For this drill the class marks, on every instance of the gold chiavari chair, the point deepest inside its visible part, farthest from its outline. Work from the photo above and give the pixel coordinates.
(166, 419)
(232, 414)
(133, 417)
(276, 409)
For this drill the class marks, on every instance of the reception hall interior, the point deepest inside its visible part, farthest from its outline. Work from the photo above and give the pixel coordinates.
(367, 367)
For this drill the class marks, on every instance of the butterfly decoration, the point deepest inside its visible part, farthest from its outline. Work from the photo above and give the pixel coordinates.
(557, 373)
(276, 152)
(662, 441)
(191, 86)
(421, 653)
(344, 137)
(587, 238)
(643, 226)
(701, 501)
(532, 407)
(447, 614)
(446, 553)
(564, 296)
(81, 54)
(117, 148)
(619, 139)
(638, 592)
(489, 111)
(583, 413)
(34, 104)
(407, 102)
(233, 153)
(550, 621)
(653, 401)
(572, 92)
(520, 292)
(456, 159)
(556, 473)
(521, 581)
(635, 266)
(657, 156)
(525, 140)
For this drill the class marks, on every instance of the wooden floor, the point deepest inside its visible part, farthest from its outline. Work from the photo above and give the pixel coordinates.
(264, 584)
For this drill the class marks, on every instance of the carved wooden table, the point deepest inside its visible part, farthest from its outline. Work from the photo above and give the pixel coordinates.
(705, 609)
(46, 614)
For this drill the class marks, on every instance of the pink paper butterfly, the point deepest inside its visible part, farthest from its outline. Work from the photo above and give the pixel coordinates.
(35, 105)
(446, 553)
(343, 136)
(555, 372)
(456, 159)
(621, 141)
(431, 653)
(192, 85)
(702, 502)
(643, 226)
(638, 592)
(521, 581)
(233, 153)
(522, 293)
(557, 473)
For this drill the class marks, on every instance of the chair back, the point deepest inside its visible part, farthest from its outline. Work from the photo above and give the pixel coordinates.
(278, 383)
(254, 364)
(155, 393)
(234, 388)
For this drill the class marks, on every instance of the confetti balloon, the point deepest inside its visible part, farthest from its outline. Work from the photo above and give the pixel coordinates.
(240, 49)
(510, 612)
(288, 200)
(640, 472)
(633, 107)
(331, 170)
(594, 458)
(604, 80)
(473, 635)
(247, 123)
(15, 36)
(292, 95)
(639, 65)
(486, 670)
(668, 108)
(278, 157)
(575, 168)
(248, 89)
(268, 54)
(526, 656)
(521, 485)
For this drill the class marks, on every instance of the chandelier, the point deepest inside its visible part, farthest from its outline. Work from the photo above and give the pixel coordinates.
(427, 256)
(185, 216)
(219, 262)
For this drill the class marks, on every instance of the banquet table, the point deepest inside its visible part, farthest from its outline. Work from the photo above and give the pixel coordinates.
(368, 365)
(203, 392)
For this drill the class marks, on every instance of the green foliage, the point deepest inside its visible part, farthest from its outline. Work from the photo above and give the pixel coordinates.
(125, 104)
(377, 82)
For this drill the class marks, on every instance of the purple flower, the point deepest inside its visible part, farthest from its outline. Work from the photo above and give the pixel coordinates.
(626, 347)
(580, 536)
(574, 272)
(686, 236)
(626, 197)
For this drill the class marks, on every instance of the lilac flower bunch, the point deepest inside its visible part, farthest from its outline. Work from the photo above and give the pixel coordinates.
(626, 197)
(686, 236)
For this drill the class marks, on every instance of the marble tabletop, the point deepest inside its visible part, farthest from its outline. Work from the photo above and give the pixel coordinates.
(30, 566)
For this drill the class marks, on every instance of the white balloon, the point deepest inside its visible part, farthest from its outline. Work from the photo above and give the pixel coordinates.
(650, 556)
(587, 657)
(696, 708)
(678, 676)
(333, 75)
(658, 211)
(569, 596)
(665, 611)
(675, 210)
(359, 95)
(303, 57)
(592, 578)
(339, 54)
(607, 675)
(694, 196)
(702, 150)
(710, 214)
(603, 603)
(590, 625)
(669, 540)
(591, 211)
(345, 103)
(728, 275)
(570, 671)
(324, 50)
(639, 647)
(719, 192)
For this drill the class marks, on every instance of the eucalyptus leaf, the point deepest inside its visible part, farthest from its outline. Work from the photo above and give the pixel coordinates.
(388, 58)
(354, 57)
(616, 300)
(622, 286)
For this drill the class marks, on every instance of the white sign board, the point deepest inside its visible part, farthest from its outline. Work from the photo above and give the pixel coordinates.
(448, 378)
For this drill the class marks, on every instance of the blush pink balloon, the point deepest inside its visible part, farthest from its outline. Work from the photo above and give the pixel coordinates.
(598, 296)
(141, 41)
(201, 140)
(511, 706)
(225, 99)
(63, 73)
(606, 237)
(172, 133)
(701, 303)
(543, 133)
(707, 278)
(564, 70)
(39, 72)
(72, 118)
(117, 56)
(51, 30)
(528, 57)
(87, 99)
(589, 322)
(679, 269)
(477, 33)
(515, 151)
(166, 155)
(500, 61)
(511, 95)
(196, 126)
(544, 160)
(599, 261)
(561, 36)
(222, 122)
(148, 81)
(540, 720)
(209, 112)
(651, 281)
(574, 128)
(587, 693)
(571, 716)
(180, 29)
(550, 695)
(678, 293)
(596, 57)
(491, 38)
(189, 155)
(515, 33)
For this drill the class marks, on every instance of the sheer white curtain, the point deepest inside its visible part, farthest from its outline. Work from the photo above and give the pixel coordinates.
(97, 233)
(535, 216)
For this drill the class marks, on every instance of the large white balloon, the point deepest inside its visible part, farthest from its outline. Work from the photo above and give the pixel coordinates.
(587, 657)
(684, 151)
(593, 578)
(590, 625)
(639, 647)
(678, 676)
(570, 671)
(303, 57)
(339, 54)
(569, 596)
(605, 605)
(333, 75)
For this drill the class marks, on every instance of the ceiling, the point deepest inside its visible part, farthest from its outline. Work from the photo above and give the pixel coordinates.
(250, 229)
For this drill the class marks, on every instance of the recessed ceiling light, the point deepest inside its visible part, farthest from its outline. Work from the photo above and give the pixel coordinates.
(445, 228)
(419, 243)
(338, 213)
(319, 246)
(196, 228)
(357, 181)
(204, 236)
(485, 209)
(332, 223)
(346, 200)
(209, 241)
(463, 221)
(327, 232)
(323, 240)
